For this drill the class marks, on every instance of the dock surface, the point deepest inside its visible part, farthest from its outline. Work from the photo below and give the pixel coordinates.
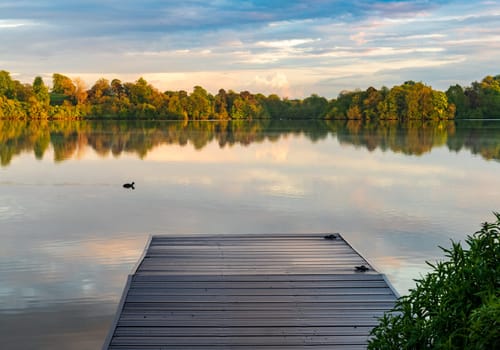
(266, 291)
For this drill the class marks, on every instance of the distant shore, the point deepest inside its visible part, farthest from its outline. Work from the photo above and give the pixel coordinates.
(69, 99)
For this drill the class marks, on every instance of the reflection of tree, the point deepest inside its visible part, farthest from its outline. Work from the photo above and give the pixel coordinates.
(413, 137)
(70, 138)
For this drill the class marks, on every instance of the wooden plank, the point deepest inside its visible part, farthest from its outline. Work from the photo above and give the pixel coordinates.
(246, 257)
(339, 318)
(244, 340)
(257, 298)
(254, 262)
(262, 278)
(239, 331)
(258, 291)
(131, 313)
(364, 305)
(344, 283)
(238, 347)
(226, 262)
(265, 322)
(250, 271)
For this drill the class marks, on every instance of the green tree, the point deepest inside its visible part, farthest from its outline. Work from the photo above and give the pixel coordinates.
(200, 106)
(440, 107)
(41, 92)
(314, 106)
(6, 85)
(490, 96)
(456, 96)
(117, 88)
(140, 92)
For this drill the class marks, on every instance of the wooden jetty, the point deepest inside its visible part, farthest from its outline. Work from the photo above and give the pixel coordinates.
(258, 291)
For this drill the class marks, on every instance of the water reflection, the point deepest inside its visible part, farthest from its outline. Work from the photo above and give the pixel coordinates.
(70, 138)
(69, 232)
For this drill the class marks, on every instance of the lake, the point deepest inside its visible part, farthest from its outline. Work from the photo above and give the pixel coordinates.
(70, 233)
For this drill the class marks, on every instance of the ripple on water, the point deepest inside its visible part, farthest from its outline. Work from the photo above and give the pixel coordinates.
(9, 209)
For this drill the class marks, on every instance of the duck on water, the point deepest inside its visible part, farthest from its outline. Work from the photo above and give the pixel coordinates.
(129, 185)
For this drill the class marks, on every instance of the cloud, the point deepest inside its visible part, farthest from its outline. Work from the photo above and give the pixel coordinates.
(359, 38)
(273, 82)
(253, 43)
(5, 24)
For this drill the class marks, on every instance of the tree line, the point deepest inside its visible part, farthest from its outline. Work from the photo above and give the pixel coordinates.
(70, 99)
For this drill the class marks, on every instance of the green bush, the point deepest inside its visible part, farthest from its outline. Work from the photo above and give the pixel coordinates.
(455, 306)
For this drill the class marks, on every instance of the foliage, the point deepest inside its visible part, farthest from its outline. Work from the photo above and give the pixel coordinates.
(403, 102)
(480, 100)
(456, 306)
(70, 98)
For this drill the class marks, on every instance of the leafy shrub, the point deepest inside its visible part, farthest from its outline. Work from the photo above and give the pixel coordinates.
(455, 306)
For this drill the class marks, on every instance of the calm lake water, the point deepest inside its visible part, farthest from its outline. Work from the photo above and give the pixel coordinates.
(70, 234)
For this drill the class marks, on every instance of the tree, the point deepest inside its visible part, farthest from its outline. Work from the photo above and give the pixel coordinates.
(200, 104)
(6, 85)
(117, 88)
(246, 106)
(220, 105)
(41, 91)
(456, 96)
(314, 106)
(440, 107)
(100, 89)
(80, 94)
(37, 109)
(140, 92)
(370, 103)
(455, 306)
(490, 96)
(61, 84)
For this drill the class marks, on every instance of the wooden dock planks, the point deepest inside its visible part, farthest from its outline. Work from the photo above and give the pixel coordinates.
(266, 291)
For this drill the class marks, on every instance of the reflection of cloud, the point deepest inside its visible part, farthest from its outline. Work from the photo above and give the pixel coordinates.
(362, 197)
(102, 251)
(211, 153)
(113, 251)
(182, 180)
(277, 153)
(273, 183)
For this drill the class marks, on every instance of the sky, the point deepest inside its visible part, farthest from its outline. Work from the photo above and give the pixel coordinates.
(291, 48)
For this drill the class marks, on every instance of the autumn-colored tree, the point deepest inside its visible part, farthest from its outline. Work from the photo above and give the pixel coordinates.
(80, 94)
(220, 105)
(61, 84)
(100, 89)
